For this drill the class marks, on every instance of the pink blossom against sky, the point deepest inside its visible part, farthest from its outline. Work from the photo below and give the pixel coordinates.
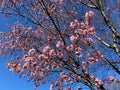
(8, 80)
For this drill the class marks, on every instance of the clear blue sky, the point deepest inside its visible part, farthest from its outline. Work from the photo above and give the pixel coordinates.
(9, 80)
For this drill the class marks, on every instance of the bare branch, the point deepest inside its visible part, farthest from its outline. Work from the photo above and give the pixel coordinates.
(88, 5)
(103, 42)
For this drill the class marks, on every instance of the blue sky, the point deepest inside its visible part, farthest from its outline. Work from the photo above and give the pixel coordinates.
(9, 80)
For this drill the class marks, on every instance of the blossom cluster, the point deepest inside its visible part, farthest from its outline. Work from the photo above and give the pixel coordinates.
(44, 53)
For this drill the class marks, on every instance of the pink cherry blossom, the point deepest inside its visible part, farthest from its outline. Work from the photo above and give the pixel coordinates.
(60, 1)
(79, 31)
(77, 78)
(92, 78)
(70, 48)
(79, 88)
(46, 49)
(73, 38)
(1, 34)
(89, 14)
(60, 54)
(87, 40)
(74, 24)
(82, 25)
(31, 52)
(57, 83)
(27, 59)
(51, 87)
(29, 28)
(113, 79)
(52, 53)
(42, 56)
(79, 49)
(88, 17)
(25, 56)
(83, 62)
(59, 44)
(78, 54)
(14, 67)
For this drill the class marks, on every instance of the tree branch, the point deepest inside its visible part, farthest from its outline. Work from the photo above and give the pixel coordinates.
(109, 63)
(103, 42)
(88, 5)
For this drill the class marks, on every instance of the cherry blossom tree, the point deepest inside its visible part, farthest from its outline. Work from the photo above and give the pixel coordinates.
(67, 43)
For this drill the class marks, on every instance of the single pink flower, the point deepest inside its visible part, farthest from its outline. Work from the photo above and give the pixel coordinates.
(31, 52)
(60, 54)
(77, 78)
(73, 38)
(79, 31)
(92, 78)
(79, 88)
(88, 17)
(82, 25)
(78, 54)
(112, 79)
(52, 53)
(78, 49)
(51, 87)
(70, 48)
(74, 24)
(59, 44)
(1, 34)
(25, 56)
(88, 40)
(46, 49)
(89, 14)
